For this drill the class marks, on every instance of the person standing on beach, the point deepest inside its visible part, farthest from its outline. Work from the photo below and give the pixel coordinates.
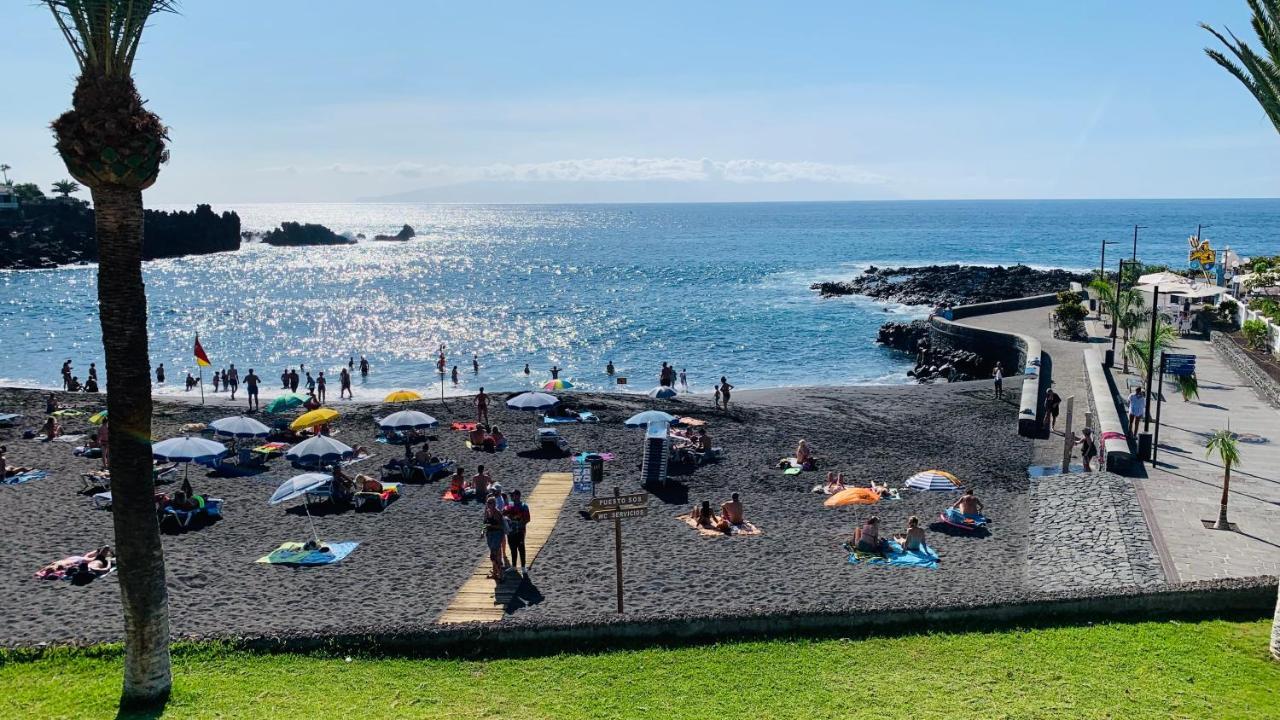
(662, 376)
(494, 534)
(725, 387)
(160, 374)
(311, 384)
(217, 380)
(518, 517)
(251, 388)
(293, 380)
(998, 374)
(66, 374)
(364, 367)
(344, 384)
(482, 407)
(684, 380)
(93, 373)
(233, 380)
(321, 384)
(455, 375)
(284, 379)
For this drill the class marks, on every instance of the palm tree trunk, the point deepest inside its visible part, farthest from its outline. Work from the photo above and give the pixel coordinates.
(122, 307)
(1222, 508)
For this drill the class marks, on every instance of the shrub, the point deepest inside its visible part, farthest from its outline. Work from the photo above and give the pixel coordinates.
(1257, 334)
(1069, 316)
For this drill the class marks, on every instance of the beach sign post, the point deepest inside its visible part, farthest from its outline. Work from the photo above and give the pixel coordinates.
(1178, 365)
(615, 508)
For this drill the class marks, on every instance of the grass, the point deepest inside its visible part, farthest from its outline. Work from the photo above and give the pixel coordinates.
(1213, 669)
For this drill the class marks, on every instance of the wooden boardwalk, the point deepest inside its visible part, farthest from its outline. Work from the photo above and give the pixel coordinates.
(480, 599)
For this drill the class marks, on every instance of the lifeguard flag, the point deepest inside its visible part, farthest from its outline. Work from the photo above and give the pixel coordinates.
(201, 359)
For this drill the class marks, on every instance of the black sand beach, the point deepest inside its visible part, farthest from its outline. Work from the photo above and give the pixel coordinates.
(415, 555)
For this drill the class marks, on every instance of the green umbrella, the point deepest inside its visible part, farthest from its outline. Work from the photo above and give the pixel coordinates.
(285, 402)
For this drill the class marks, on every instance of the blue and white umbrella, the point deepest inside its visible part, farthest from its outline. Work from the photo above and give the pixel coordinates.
(649, 416)
(239, 426)
(933, 480)
(298, 486)
(662, 392)
(407, 420)
(318, 451)
(533, 402)
(187, 449)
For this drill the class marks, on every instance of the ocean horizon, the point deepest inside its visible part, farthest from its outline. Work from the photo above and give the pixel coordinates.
(717, 288)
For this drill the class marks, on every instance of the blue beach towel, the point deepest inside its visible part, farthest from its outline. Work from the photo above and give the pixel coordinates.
(895, 555)
(292, 553)
(26, 477)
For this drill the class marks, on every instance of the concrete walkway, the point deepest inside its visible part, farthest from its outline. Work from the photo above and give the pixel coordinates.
(1186, 486)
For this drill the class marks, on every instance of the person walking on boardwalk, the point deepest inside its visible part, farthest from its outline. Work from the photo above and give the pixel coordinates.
(998, 375)
(1137, 410)
(517, 513)
(1052, 403)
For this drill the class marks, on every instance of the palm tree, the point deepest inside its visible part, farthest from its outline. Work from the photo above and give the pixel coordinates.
(1223, 444)
(1131, 309)
(1261, 76)
(4, 170)
(1139, 349)
(66, 187)
(115, 146)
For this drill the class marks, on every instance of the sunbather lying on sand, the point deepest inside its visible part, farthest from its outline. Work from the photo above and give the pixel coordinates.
(79, 567)
(7, 470)
(913, 541)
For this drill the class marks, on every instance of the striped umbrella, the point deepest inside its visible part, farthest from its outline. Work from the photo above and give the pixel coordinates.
(933, 480)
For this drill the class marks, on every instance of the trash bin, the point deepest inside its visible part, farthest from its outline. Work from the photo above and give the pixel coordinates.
(1144, 446)
(597, 469)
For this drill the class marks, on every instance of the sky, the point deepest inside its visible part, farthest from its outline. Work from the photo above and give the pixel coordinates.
(417, 100)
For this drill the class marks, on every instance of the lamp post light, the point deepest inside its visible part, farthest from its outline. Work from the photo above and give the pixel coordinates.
(1136, 228)
(1102, 264)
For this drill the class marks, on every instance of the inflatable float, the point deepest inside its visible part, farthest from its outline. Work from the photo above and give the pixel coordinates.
(968, 523)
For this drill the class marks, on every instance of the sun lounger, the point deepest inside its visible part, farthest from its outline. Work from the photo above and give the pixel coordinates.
(419, 473)
(381, 498)
(549, 439)
(212, 509)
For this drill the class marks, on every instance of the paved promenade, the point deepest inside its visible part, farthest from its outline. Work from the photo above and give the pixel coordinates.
(1185, 488)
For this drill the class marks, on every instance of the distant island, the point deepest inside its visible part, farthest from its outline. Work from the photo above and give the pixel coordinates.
(952, 284)
(61, 232)
(292, 234)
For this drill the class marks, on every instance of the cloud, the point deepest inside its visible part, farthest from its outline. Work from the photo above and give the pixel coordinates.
(617, 169)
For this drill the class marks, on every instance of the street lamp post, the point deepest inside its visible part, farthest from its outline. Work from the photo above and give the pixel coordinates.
(1136, 228)
(1102, 264)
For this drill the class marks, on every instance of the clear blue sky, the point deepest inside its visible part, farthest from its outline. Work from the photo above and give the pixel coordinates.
(274, 100)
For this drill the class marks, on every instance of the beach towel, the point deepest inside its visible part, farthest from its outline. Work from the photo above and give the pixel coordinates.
(853, 496)
(463, 426)
(271, 448)
(292, 553)
(583, 417)
(68, 413)
(791, 471)
(581, 458)
(691, 422)
(743, 529)
(450, 496)
(480, 448)
(925, 557)
(25, 477)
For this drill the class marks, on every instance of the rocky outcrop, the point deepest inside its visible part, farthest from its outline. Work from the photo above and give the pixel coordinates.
(406, 233)
(59, 232)
(904, 336)
(292, 234)
(952, 284)
(932, 364)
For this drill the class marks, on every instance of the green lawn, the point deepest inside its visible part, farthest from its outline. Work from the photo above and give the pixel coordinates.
(1213, 669)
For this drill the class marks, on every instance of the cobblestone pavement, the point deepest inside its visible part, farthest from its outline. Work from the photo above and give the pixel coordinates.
(1088, 531)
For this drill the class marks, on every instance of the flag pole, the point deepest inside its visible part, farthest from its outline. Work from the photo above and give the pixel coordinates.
(201, 370)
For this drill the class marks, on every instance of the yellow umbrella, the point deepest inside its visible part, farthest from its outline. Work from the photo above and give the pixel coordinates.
(314, 418)
(402, 396)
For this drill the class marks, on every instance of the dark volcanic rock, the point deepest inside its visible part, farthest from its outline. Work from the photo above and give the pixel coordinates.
(904, 336)
(295, 234)
(406, 233)
(49, 234)
(952, 284)
(932, 364)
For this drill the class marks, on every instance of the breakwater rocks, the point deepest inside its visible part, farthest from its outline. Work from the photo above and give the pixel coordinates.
(907, 337)
(406, 233)
(61, 232)
(952, 284)
(294, 234)
(932, 364)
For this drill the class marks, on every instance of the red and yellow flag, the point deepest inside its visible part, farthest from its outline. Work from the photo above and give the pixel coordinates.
(201, 358)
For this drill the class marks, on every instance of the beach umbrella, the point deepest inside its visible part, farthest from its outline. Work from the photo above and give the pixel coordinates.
(933, 480)
(298, 486)
(187, 450)
(557, 384)
(322, 416)
(402, 396)
(532, 402)
(1164, 277)
(319, 450)
(239, 426)
(407, 420)
(286, 402)
(649, 416)
(98, 418)
(662, 392)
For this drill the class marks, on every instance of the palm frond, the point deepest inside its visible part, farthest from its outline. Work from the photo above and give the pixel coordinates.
(1223, 443)
(104, 34)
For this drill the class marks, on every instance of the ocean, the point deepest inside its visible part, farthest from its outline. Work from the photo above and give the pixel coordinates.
(719, 289)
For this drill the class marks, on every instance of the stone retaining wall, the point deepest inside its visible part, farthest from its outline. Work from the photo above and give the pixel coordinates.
(1020, 354)
(1240, 361)
(1233, 597)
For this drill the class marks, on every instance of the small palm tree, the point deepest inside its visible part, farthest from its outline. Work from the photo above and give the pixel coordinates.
(1259, 74)
(1139, 349)
(66, 187)
(1223, 443)
(4, 170)
(114, 145)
